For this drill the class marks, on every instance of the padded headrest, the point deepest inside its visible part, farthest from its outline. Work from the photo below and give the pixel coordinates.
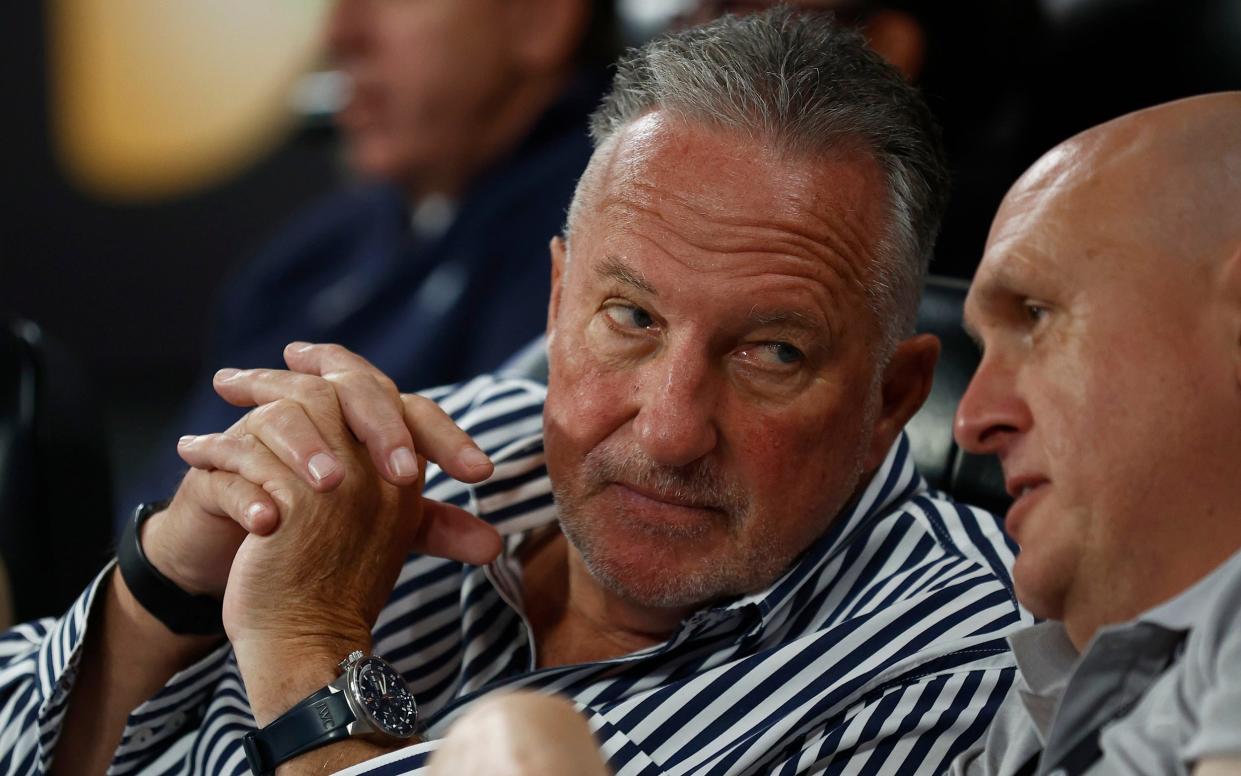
(970, 478)
(55, 478)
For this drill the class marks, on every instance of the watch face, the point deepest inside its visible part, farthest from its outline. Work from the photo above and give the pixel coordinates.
(385, 697)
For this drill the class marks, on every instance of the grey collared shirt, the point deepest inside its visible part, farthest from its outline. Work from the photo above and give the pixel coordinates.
(1165, 688)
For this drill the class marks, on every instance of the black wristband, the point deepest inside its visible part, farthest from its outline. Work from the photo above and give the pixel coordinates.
(181, 612)
(317, 721)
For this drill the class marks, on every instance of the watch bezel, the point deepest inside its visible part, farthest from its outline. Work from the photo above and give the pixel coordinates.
(362, 711)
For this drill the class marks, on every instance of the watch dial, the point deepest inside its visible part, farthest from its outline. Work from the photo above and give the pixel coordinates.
(385, 697)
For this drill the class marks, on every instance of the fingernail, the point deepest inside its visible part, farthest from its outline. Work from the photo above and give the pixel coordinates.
(254, 512)
(299, 347)
(402, 462)
(185, 440)
(473, 458)
(225, 375)
(321, 466)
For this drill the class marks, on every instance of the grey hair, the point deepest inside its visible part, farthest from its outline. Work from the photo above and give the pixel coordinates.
(810, 88)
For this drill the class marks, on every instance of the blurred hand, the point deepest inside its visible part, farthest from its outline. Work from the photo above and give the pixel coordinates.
(519, 734)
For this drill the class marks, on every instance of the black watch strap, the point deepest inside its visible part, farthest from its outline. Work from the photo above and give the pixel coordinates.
(318, 720)
(181, 612)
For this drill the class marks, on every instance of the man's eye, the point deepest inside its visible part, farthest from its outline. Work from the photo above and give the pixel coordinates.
(778, 355)
(785, 353)
(1035, 312)
(627, 316)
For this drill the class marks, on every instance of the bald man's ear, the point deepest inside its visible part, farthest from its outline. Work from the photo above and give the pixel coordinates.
(559, 257)
(906, 384)
(544, 35)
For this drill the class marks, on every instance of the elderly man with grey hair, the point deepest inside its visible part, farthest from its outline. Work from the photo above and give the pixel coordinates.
(705, 532)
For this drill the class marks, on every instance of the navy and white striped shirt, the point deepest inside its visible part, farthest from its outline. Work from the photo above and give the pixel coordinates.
(881, 650)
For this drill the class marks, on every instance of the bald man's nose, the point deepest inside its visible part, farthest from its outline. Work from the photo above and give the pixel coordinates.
(991, 412)
(675, 424)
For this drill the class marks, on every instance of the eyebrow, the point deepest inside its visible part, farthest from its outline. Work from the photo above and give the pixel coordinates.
(783, 318)
(615, 269)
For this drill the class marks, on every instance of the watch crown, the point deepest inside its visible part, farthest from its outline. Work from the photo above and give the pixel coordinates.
(353, 657)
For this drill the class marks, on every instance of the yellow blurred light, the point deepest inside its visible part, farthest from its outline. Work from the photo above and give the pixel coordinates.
(156, 98)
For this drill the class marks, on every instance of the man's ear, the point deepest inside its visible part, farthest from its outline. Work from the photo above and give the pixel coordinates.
(544, 35)
(559, 258)
(906, 384)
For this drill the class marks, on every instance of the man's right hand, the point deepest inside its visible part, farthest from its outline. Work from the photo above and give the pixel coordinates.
(193, 541)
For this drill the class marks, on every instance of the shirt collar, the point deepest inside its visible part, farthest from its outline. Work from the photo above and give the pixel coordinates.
(1188, 608)
(430, 217)
(1045, 659)
(893, 483)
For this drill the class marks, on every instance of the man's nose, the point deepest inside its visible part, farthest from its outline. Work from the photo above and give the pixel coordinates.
(992, 411)
(675, 424)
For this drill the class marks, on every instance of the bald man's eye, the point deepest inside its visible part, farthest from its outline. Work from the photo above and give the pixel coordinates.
(1035, 312)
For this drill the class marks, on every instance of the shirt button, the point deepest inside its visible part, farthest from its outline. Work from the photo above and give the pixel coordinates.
(177, 721)
(142, 736)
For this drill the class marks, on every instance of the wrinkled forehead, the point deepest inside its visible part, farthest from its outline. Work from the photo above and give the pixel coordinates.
(707, 183)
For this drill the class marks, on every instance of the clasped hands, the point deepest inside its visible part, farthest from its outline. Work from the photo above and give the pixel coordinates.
(303, 512)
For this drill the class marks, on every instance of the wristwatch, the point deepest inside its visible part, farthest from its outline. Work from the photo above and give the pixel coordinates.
(369, 698)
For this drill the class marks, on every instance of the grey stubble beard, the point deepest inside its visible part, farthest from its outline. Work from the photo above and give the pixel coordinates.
(699, 483)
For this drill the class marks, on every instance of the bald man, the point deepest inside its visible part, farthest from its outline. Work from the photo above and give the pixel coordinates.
(1108, 304)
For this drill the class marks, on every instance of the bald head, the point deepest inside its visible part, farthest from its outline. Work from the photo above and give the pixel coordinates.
(1167, 178)
(1109, 307)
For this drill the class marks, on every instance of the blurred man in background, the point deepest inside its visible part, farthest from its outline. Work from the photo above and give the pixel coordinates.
(466, 123)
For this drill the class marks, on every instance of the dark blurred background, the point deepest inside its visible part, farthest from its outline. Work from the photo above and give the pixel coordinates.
(116, 246)
(124, 274)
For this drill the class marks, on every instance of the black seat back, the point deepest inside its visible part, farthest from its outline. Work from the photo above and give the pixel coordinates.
(973, 479)
(55, 483)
